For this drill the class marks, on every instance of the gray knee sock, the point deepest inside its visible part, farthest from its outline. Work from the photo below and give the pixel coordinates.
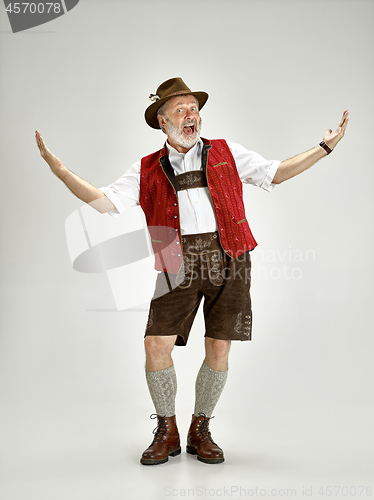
(162, 386)
(209, 386)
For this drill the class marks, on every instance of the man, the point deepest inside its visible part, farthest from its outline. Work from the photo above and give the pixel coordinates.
(191, 194)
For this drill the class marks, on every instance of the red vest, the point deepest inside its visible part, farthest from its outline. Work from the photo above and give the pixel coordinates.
(159, 201)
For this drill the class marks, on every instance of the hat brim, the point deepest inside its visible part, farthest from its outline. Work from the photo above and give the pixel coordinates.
(150, 114)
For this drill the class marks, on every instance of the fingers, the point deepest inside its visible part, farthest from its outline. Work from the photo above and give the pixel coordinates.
(344, 119)
(37, 137)
(339, 132)
(44, 151)
(332, 138)
(343, 124)
(40, 142)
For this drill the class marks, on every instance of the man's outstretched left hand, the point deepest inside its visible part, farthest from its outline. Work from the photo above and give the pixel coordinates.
(332, 138)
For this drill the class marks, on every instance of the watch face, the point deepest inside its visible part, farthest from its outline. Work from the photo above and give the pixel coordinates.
(325, 147)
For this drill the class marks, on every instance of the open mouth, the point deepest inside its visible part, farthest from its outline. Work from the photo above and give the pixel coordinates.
(189, 129)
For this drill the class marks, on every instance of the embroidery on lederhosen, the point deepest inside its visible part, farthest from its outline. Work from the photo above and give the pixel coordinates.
(243, 325)
(184, 276)
(215, 268)
(239, 323)
(199, 244)
(191, 179)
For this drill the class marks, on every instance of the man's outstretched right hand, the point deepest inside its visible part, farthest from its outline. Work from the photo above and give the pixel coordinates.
(81, 188)
(52, 160)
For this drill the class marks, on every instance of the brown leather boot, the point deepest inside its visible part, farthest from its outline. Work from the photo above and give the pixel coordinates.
(200, 442)
(165, 443)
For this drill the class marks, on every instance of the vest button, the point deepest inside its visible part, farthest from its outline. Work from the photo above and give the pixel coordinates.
(176, 229)
(175, 216)
(179, 255)
(175, 204)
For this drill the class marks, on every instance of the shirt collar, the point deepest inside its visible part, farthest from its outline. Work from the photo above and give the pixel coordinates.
(173, 152)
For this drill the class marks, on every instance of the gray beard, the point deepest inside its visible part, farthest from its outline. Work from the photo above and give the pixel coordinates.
(176, 134)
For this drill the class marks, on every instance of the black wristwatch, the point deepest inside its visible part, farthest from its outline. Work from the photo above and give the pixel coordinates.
(325, 147)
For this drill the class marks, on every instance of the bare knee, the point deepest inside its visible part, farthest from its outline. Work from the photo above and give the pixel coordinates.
(158, 352)
(217, 353)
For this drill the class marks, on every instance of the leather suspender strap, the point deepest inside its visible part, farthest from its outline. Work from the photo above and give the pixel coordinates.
(190, 180)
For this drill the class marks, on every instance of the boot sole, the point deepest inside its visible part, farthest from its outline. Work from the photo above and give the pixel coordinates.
(158, 462)
(192, 451)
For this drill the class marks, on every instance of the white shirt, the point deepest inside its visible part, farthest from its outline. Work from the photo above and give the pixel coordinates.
(195, 205)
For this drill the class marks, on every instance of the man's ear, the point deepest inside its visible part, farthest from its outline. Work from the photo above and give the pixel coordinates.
(161, 121)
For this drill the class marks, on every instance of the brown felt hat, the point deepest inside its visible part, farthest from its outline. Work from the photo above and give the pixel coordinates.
(167, 90)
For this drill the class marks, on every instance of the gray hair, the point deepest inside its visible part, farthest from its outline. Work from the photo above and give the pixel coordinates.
(162, 111)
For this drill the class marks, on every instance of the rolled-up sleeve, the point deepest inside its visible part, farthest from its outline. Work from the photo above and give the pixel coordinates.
(124, 192)
(253, 168)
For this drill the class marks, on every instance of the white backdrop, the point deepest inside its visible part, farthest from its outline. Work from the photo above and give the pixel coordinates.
(297, 410)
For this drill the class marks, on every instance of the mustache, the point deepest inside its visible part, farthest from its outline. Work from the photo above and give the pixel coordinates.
(189, 122)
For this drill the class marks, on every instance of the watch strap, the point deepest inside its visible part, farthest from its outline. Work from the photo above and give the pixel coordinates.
(325, 147)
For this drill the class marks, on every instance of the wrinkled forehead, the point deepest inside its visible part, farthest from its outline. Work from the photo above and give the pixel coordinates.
(181, 100)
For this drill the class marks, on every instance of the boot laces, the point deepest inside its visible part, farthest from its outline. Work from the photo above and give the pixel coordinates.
(204, 428)
(161, 428)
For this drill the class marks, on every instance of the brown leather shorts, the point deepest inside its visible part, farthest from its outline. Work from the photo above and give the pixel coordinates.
(206, 272)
